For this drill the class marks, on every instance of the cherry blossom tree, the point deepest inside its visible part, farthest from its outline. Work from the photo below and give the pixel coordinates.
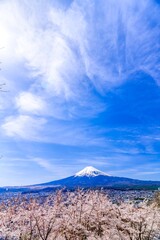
(78, 215)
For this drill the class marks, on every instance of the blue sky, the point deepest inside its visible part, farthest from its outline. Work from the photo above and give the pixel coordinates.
(82, 88)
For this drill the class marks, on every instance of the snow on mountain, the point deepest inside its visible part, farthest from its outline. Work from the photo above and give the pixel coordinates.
(90, 172)
(89, 177)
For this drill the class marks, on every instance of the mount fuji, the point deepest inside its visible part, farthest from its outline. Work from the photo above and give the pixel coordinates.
(90, 172)
(91, 177)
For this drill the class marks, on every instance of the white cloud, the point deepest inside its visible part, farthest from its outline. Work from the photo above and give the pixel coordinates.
(28, 102)
(52, 57)
(38, 129)
(23, 126)
(61, 46)
(44, 163)
(68, 54)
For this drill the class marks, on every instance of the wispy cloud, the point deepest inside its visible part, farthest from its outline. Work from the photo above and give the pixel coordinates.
(23, 126)
(64, 51)
(81, 74)
(44, 163)
(39, 129)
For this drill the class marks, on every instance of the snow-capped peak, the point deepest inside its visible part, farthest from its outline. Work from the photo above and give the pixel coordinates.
(90, 172)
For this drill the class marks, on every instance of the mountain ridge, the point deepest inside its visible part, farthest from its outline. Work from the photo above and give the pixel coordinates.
(90, 177)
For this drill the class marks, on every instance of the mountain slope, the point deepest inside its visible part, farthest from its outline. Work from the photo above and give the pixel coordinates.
(91, 177)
